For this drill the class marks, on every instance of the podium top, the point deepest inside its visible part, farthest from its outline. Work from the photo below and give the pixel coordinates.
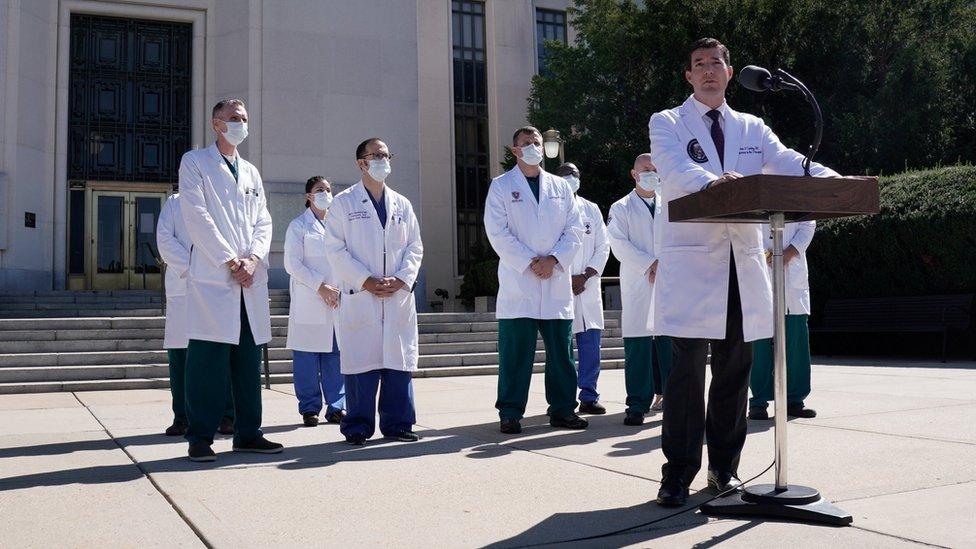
(753, 198)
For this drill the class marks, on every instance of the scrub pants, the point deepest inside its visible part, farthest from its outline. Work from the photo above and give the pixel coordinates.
(588, 364)
(797, 365)
(317, 374)
(516, 354)
(210, 366)
(397, 412)
(177, 386)
(647, 363)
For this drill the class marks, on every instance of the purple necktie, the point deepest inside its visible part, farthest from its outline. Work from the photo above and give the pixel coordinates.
(717, 136)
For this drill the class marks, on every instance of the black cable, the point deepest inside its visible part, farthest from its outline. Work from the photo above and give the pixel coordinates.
(666, 517)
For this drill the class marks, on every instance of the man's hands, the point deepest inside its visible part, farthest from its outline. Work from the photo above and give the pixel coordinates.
(652, 272)
(542, 266)
(579, 281)
(789, 254)
(726, 177)
(329, 294)
(383, 286)
(242, 270)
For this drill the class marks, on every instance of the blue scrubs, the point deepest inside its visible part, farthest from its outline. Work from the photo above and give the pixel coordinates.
(397, 412)
(317, 374)
(588, 364)
(396, 405)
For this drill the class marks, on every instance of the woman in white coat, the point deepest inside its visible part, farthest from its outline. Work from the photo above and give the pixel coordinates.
(373, 241)
(311, 317)
(173, 244)
(796, 239)
(587, 294)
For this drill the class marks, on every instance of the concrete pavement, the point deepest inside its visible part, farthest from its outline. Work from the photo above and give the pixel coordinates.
(894, 445)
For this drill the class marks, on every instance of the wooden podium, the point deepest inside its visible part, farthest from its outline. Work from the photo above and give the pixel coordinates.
(776, 199)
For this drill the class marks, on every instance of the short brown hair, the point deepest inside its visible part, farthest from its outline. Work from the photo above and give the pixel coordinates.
(223, 103)
(361, 148)
(707, 44)
(524, 129)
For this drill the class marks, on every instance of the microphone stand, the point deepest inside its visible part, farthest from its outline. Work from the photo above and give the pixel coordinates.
(782, 80)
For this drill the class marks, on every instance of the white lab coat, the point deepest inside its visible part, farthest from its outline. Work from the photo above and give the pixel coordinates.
(375, 333)
(632, 238)
(691, 292)
(520, 229)
(799, 235)
(310, 320)
(226, 219)
(594, 252)
(173, 243)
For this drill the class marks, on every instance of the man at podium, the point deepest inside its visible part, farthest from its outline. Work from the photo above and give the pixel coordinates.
(712, 286)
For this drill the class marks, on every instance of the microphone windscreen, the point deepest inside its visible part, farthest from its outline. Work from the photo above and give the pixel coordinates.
(754, 78)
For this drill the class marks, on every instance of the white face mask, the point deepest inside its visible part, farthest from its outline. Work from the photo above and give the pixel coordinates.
(648, 181)
(573, 181)
(532, 155)
(322, 200)
(379, 170)
(236, 132)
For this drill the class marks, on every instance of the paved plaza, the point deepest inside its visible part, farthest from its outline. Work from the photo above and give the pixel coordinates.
(894, 445)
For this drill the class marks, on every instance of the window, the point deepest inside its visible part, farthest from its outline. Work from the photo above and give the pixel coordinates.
(470, 126)
(549, 25)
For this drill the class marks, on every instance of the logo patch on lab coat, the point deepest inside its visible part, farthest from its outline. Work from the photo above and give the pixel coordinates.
(695, 152)
(586, 225)
(516, 196)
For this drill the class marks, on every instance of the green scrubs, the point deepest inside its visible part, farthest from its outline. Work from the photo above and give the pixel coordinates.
(797, 365)
(177, 386)
(639, 355)
(516, 354)
(210, 366)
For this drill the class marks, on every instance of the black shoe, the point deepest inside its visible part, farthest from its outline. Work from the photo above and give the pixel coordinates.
(177, 429)
(633, 418)
(797, 410)
(335, 417)
(310, 419)
(259, 445)
(405, 436)
(226, 426)
(200, 451)
(672, 494)
(758, 414)
(594, 408)
(511, 426)
(572, 421)
(356, 440)
(722, 482)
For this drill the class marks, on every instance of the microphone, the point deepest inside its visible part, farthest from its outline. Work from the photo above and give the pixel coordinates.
(758, 79)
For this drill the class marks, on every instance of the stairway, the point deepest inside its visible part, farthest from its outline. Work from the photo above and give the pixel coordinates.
(87, 341)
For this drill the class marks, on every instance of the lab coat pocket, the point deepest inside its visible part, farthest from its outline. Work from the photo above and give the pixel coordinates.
(315, 245)
(307, 306)
(406, 308)
(560, 286)
(202, 271)
(359, 310)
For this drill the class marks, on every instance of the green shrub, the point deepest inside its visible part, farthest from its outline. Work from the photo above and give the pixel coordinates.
(923, 241)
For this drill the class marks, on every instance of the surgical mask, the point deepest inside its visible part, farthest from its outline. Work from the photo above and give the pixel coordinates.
(573, 182)
(322, 200)
(236, 133)
(379, 170)
(532, 155)
(648, 181)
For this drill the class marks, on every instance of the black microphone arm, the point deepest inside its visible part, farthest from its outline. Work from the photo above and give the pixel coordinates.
(759, 79)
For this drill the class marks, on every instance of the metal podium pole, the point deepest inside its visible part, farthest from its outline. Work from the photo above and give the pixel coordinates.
(780, 499)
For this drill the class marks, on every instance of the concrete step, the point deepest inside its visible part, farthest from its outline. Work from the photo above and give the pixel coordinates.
(162, 382)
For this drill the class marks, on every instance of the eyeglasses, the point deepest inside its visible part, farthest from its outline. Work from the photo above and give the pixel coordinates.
(378, 156)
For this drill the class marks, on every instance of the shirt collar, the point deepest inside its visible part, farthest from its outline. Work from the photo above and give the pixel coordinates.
(703, 108)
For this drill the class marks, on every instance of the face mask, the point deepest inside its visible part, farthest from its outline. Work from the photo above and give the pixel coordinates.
(648, 181)
(379, 169)
(322, 200)
(236, 133)
(573, 182)
(532, 155)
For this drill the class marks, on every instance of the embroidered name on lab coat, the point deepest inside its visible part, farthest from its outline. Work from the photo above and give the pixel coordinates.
(750, 150)
(359, 215)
